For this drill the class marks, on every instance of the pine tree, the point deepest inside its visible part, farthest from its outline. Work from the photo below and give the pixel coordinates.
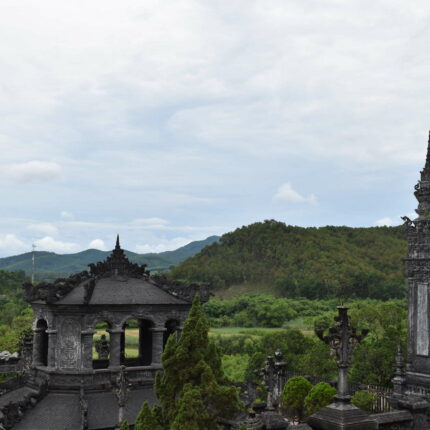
(124, 425)
(192, 390)
(147, 419)
(192, 413)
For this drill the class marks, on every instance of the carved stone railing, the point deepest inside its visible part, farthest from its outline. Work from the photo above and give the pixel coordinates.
(96, 378)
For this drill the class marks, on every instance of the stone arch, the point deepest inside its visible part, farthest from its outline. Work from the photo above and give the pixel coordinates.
(137, 316)
(136, 341)
(103, 317)
(40, 342)
(43, 316)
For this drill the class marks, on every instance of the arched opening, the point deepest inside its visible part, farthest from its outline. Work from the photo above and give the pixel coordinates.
(172, 326)
(136, 343)
(101, 346)
(41, 343)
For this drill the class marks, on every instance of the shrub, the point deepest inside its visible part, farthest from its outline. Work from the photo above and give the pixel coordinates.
(364, 400)
(293, 396)
(319, 396)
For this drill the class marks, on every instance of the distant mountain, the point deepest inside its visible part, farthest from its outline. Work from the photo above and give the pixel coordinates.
(50, 265)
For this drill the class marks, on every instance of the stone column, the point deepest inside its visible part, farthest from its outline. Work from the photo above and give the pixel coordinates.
(52, 345)
(157, 344)
(87, 348)
(38, 334)
(115, 346)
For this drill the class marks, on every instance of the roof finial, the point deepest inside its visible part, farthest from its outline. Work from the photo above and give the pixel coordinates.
(117, 246)
(428, 153)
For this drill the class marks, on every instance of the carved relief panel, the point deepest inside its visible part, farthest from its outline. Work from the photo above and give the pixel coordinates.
(422, 320)
(69, 344)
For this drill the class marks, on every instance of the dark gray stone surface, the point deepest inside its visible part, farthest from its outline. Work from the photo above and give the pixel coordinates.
(121, 290)
(273, 421)
(57, 411)
(341, 416)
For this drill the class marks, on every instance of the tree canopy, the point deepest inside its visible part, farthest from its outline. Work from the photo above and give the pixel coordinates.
(192, 390)
(309, 262)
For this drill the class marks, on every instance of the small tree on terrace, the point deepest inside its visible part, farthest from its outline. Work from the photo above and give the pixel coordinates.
(319, 396)
(293, 397)
(192, 390)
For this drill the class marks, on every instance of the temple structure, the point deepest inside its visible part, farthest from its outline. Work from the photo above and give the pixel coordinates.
(79, 380)
(412, 386)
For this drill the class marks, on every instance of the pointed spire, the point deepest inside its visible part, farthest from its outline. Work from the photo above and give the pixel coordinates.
(117, 246)
(427, 166)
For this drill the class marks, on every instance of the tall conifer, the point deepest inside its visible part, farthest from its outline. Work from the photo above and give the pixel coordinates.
(192, 390)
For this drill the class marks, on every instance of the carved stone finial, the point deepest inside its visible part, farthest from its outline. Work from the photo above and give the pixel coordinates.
(342, 339)
(400, 361)
(428, 153)
(117, 245)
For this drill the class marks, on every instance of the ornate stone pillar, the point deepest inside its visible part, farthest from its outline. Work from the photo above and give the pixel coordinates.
(38, 334)
(115, 346)
(52, 345)
(342, 414)
(87, 348)
(157, 344)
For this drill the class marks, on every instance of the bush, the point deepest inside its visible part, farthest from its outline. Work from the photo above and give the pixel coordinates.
(364, 400)
(293, 396)
(320, 395)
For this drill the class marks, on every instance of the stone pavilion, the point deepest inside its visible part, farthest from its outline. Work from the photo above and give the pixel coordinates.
(70, 387)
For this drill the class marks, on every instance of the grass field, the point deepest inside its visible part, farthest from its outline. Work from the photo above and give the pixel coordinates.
(132, 335)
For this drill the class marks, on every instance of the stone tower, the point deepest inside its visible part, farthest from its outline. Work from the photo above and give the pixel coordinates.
(418, 273)
(412, 387)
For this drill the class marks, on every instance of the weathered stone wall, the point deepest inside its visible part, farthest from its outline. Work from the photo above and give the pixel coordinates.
(395, 420)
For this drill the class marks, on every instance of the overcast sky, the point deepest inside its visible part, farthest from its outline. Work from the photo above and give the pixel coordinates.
(169, 121)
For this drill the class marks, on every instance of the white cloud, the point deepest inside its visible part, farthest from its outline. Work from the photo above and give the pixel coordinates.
(34, 171)
(387, 221)
(44, 227)
(50, 244)
(11, 244)
(287, 192)
(66, 215)
(164, 245)
(149, 223)
(97, 244)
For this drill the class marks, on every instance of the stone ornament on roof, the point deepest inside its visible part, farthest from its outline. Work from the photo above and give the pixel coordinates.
(116, 266)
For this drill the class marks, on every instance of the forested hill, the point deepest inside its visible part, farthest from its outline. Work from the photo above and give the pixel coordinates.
(303, 262)
(50, 265)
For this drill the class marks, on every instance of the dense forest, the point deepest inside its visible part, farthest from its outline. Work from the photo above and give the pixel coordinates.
(315, 263)
(15, 313)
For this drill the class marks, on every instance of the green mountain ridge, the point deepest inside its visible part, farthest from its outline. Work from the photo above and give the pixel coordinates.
(50, 265)
(290, 261)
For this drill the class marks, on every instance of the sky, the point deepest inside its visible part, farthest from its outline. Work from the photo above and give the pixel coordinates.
(169, 121)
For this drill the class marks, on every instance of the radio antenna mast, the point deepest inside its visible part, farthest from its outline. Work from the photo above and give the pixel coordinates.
(33, 246)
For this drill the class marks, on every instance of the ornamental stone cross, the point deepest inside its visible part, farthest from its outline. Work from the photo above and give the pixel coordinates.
(342, 339)
(342, 414)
